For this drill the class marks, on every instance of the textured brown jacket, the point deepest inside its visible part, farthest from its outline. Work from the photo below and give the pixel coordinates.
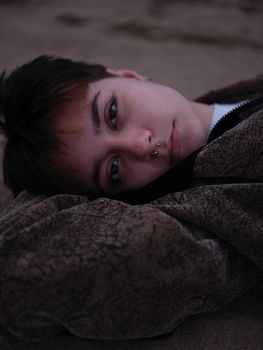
(108, 270)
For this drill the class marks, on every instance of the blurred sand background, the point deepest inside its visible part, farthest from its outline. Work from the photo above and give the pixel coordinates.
(192, 45)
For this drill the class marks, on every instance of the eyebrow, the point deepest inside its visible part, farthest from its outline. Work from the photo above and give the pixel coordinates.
(95, 117)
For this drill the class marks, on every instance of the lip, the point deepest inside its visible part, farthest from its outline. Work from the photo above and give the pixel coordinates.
(175, 145)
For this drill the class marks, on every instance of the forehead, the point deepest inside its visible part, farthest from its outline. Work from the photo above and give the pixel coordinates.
(75, 129)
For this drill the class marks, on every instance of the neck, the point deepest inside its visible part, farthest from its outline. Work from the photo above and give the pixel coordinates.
(204, 113)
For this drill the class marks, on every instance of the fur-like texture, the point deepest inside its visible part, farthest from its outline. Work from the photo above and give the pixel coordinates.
(105, 269)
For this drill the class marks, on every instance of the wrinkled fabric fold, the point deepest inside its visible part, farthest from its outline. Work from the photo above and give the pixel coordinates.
(104, 269)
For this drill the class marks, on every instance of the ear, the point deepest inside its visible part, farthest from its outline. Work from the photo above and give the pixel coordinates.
(126, 73)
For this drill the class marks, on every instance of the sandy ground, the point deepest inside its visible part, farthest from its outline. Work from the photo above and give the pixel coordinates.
(193, 45)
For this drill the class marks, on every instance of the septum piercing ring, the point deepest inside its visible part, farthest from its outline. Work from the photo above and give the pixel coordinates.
(154, 153)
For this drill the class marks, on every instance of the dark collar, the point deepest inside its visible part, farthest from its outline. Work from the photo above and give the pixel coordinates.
(234, 117)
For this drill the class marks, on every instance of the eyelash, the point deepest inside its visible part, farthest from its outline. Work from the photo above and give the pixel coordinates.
(113, 119)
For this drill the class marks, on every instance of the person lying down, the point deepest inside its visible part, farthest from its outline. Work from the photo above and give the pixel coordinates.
(135, 207)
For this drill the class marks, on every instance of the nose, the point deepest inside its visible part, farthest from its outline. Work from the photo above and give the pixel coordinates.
(138, 144)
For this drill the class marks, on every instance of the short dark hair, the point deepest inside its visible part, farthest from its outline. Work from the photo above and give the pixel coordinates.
(30, 98)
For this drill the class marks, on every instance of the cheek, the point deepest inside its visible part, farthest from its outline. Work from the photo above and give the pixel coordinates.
(140, 174)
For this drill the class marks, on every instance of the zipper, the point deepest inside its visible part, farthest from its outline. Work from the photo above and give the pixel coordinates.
(231, 118)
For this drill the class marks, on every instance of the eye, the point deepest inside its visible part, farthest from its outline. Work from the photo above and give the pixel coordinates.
(114, 172)
(113, 110)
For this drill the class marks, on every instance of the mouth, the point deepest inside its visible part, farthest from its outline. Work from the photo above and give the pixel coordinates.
(174, 145)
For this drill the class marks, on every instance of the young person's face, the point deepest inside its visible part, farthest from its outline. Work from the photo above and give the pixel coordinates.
(110, 139)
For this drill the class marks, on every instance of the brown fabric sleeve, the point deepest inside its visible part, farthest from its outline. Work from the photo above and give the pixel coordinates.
(108, 270)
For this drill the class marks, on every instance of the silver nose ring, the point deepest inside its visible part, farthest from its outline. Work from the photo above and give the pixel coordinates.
(155, 153)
